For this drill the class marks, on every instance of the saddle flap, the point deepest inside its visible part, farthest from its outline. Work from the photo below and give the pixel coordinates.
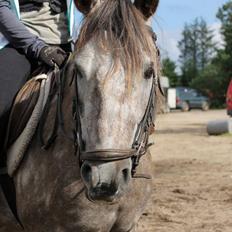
(22, 109)
(25, 115)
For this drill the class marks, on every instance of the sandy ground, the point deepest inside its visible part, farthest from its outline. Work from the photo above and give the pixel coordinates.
(192, 189)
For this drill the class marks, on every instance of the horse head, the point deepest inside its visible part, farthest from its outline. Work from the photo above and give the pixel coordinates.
(115, 63)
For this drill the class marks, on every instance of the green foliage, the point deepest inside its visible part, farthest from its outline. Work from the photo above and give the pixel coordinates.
(224, 57)
(210, 82)
(169, 70)
(196, 48)
(225, 16)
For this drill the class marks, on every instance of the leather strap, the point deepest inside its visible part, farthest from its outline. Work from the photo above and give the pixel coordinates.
(107, 155)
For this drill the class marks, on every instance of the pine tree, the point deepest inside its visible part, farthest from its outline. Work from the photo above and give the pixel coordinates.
(196, 48)
(206, 45)
(186, 55)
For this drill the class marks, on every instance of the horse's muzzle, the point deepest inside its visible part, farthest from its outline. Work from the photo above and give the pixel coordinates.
(106, 181)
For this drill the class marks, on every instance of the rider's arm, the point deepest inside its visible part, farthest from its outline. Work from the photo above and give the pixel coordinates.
(16, 32)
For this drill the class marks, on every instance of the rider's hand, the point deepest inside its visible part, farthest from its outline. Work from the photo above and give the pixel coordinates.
(52, 55)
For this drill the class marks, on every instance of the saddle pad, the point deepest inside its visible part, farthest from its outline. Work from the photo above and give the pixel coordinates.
(31, 116)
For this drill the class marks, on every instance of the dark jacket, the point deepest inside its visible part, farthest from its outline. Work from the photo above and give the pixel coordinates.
(17, 33)
(57, 6)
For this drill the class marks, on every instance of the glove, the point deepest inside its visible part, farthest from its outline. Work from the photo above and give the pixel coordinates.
(53, 55)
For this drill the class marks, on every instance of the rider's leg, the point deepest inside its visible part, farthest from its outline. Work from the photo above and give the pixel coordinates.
(15, 69)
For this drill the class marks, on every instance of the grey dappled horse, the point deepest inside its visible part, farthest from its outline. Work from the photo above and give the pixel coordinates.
(88, 178)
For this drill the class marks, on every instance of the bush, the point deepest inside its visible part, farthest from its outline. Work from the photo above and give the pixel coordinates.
(210, 82)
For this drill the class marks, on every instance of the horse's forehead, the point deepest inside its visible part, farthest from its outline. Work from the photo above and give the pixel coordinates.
(87, 60)
(92, 55)
(94, 63)
(91, 60)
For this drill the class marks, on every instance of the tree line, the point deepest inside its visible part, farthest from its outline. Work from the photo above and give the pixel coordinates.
(203, 64)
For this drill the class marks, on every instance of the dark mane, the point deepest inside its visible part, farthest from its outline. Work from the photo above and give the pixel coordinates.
(119, 28)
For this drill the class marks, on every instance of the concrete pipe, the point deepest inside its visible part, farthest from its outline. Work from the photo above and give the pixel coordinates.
(219, 127)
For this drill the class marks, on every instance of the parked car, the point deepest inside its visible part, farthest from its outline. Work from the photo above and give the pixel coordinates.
(229, 99)
(187, 98)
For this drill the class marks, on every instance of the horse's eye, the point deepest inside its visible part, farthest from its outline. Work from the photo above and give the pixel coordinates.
(149, 73)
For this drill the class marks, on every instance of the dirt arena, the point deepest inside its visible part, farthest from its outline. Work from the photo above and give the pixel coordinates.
(192, 189)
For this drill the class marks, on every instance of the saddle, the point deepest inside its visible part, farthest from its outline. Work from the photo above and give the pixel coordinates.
(24, 118)
(23, 121)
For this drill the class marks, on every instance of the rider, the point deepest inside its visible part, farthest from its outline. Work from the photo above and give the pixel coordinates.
(31, 32)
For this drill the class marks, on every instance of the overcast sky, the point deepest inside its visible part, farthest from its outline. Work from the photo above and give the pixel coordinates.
(173, 14)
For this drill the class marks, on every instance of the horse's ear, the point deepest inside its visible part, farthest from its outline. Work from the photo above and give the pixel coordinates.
(147, 7)
(83, 6)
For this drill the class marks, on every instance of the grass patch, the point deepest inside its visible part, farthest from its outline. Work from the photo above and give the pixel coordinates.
(226, 135)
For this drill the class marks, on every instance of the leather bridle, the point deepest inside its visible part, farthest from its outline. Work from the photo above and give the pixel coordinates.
(140, 143)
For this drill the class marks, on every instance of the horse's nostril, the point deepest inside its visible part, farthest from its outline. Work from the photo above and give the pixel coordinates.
(86, 172)
(126, 175)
